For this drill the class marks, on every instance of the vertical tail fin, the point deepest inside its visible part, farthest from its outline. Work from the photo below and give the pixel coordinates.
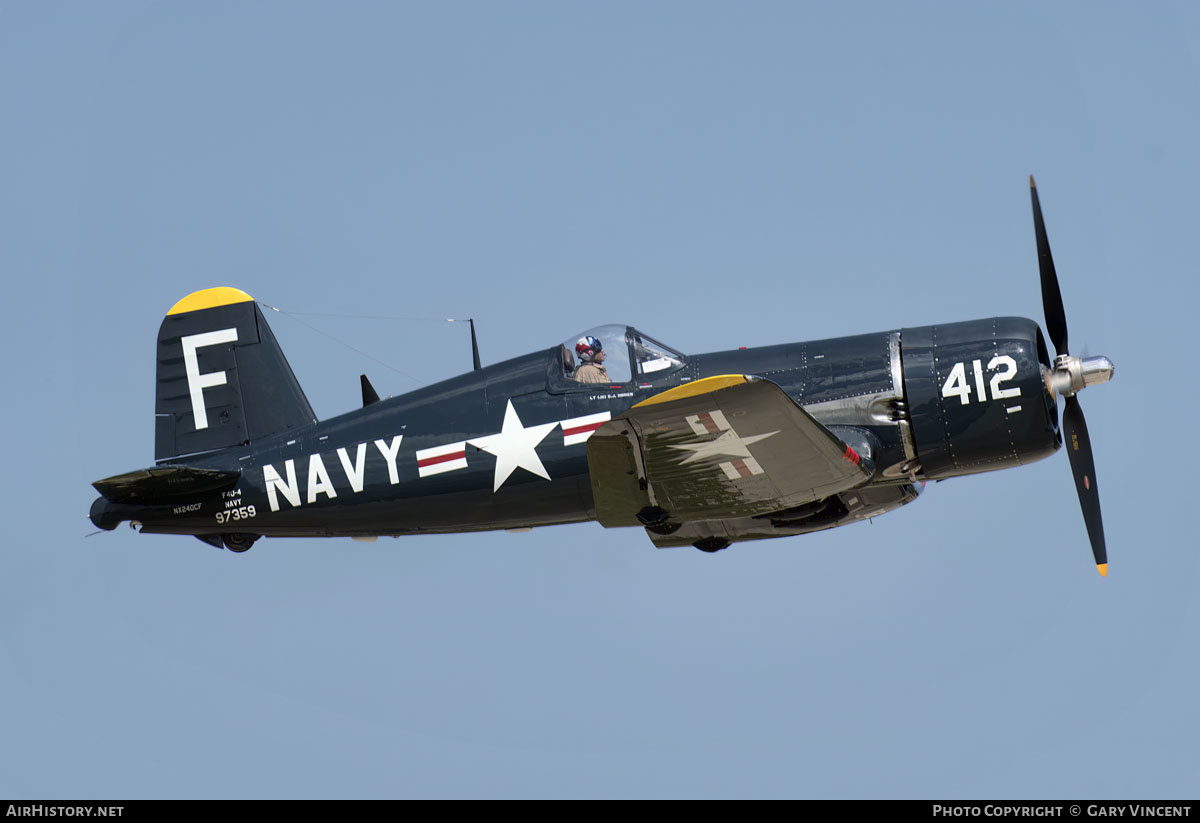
(222, 378)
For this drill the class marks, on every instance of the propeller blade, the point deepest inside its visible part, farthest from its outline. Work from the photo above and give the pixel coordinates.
(1083, 466)
(1052, 302)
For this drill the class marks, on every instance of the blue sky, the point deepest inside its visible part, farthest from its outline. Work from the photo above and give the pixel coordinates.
(716, 174)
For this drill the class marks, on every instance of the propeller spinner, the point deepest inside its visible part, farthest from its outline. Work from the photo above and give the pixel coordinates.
(1068, 377)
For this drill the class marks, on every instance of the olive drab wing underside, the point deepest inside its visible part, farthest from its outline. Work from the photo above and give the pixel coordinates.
(722, 447)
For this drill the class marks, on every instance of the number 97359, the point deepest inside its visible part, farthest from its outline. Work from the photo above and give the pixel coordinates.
(240, 513)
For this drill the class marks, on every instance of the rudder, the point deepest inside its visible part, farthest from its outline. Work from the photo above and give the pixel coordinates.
(222, 379)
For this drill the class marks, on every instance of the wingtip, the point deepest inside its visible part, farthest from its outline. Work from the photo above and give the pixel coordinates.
(1032, 184)
(1103, 569)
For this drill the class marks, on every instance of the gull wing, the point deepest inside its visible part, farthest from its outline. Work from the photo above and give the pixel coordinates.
(722, 447)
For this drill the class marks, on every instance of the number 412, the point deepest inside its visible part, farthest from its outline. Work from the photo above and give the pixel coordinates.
(956, 383)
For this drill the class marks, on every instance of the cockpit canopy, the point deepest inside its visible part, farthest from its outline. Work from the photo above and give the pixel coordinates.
(628, 354)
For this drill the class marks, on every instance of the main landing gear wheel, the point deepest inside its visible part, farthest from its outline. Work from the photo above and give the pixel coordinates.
(711, 544)
(239, 542)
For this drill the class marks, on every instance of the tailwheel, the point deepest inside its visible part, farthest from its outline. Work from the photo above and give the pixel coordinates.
(238, 542)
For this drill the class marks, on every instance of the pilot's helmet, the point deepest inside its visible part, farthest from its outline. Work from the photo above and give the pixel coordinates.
(587, 348)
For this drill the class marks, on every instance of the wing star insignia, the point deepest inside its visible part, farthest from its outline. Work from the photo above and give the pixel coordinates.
(728, 444)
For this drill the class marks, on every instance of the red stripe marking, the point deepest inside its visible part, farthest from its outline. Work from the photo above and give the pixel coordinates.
(706, 420)
(742, 468)
(441, 458)
(590, 427)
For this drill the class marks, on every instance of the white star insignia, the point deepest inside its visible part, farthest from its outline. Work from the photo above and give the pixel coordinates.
(729, 444)
(515, 447)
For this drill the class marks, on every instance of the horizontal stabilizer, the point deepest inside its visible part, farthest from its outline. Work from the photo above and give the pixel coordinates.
(162, 484)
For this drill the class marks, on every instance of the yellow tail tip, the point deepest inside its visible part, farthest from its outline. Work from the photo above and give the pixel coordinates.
(1103, 569)
(210, 298)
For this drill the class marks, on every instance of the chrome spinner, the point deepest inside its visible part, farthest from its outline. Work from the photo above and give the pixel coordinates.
(1072, 374)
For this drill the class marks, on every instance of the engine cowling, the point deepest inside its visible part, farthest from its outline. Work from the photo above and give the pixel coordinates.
(977, 395)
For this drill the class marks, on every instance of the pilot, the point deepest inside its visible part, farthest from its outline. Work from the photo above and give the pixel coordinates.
(591, 361)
